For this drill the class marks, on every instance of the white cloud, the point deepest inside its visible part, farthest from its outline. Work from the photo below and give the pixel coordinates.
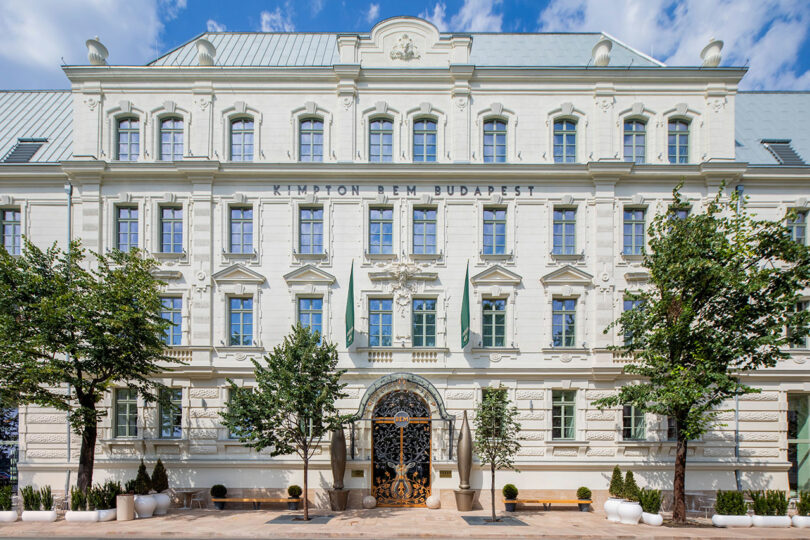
(765, 34)
(214, 26)
(474, 16)
(278, 20)
(315, 6)
(373, 12)
(172, 8)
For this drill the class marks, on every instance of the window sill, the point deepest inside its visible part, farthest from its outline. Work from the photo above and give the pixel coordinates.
(480, 350)
(567, 442)
(239, 348)
(632, 257)
(567, 257)
(496, 256)
(311, 256)
(380, 256)
(240, 256)
(169, 256)
(426, 256)
(580, 350)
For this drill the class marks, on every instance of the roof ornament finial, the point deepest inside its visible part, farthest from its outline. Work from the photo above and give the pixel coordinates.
(205, 52)
(96, 52)
(711, 53)
(600, 54)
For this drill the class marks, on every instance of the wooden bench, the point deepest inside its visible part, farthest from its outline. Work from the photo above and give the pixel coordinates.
(548, 502)
(257, 501)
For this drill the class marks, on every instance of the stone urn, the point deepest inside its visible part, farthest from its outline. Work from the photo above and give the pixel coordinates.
(611, 508)
(162, 503)
(369, 502)
(464, 495)
(629, 512)
(145, 506)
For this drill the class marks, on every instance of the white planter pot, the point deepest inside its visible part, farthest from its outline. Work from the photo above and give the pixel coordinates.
(39, 515)
(612, 509)
(145, 506)
(722, 520)
(652, 519)
(802, 522)
(8, 516)
(107, 515)
(87, 516)
(162, 502)
(629, 512)
(771, 521)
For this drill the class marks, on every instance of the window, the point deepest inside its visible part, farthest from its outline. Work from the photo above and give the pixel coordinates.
(424, 230)
(171, 139)
(424, 140)
(494, 322)
(381, 141)
(381, 230)
(241, 230)
(172, 311)
(563, 322)
(797, 224)
(171, 413)
(310, 231)
(628, 305)
(129, 137)
(633, 231)
(311, 140)
(672, 429)
(242, 139)
(171, 229)
(681, 212)
(564, 230)
(565, 141)
(495, 141)
(241, 321)
(11, 229)
(563, 408)
(803, 341)
(424, 323)
(635, 133)
(633, 425)
(678, 141)
(127, 227)
(126, 412)
(380, 319)
(310, 314)
(494, 231)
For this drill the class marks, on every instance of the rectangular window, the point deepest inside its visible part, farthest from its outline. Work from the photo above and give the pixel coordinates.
(634, 231)
(634, 141)
(563, 322)
(424, 323)
(681, 213)
(633, 424)
(381, 230)
(493, 329)
(678, 141)
(565, 141)
(311, 133)
(495, 141)
(126, 227)
(241, 321)
(494, 231)
(797, 223)
(380, 319)
(802, 342)
(241, 230)
(171, 139)
(171, 229)
(172, 311)
(234, 433)
(126, 412)
(424, 230)
(310, 231)
(628, 305)
(310, 314)
(564, 230)
(10, 226)
(563, 410)
(672, 429)
(171, 413)
(242, 139)
(381, 140)
(424, 140)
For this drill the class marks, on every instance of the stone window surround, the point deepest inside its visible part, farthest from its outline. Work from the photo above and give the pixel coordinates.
(225, 204)
(123, 111)
(429, 112)
(310, 110)
(311, 201)
(495, 111)
(496, 201)
(155, 238)
(567, 202)
(156, 116)
(240, 110)
(402, 316)
(642, 114)
(381, 110)
(567, 111)
(111, 206)
(381, 201)
(681, 111)
(427, 202)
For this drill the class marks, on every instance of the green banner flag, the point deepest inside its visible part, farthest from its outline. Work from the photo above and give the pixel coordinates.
(465, 310)
(350, 310)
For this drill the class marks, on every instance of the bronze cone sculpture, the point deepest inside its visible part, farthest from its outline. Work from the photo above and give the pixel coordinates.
(338, 497)
(464, 495)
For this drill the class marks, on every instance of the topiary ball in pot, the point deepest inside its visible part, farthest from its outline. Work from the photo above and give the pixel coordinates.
(294, 492)
(584, 494)
(510, 493)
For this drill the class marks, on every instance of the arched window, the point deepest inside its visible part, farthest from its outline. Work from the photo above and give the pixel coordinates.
(635, 141)
(494, 141)
(565, 141)
(424, 140)
(171, 139)
(678, 141)
(311, 140)
(129, 139)
(380, 140)
(242, 139)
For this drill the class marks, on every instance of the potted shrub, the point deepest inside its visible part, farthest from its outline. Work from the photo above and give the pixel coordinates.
(218, 491)
(144, 502)
(105, 499)
(584, 494)
(7, 514)
(293, 492)
(730, 510)
(650, 500)
(770, 508)
(802, 517)
(615, 489)
(629, 509)
(78, 507)
(510, 493)
(160, 484)
(38, 505)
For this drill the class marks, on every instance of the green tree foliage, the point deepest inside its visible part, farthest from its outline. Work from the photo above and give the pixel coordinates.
(730, 503)
(721, 292)
(630, 490)
(5, 498)
(103, 310)
(160, 480)
(497, 434)
(650, 500)
(292, 407)
(616, 488)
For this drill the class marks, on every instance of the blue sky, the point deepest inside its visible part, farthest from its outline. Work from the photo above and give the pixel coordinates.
(771, 37)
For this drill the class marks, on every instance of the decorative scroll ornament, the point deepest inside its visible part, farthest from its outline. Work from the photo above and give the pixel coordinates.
(405, 49)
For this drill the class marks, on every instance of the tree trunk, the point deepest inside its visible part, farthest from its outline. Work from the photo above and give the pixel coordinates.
(87, 454)
(679, 487)
(306, 494)
(492, 491)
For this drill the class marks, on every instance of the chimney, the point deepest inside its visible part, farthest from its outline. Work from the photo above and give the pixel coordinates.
(711, 53)
(600, 55)
(205, 52)
(96, 52)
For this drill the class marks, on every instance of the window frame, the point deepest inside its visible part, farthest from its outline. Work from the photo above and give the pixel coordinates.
(174, 414)
(242, 233)
(243, 311)
(313, 223)
(175, 247)
(424, 236)
(174, 131)
(634, 424)
(636, 250)
(425, 155)
(309, 312)
(677, 158)
(798, 307)
(130, 131)
(131, 404)
(243, 118)
(130, 220)
(563, 222)
(176, 330)
(567, 408)
(382, 221)
(379, 311)
(420, 324)
(494, 222)
(797, 224)
(381, 132)
(635, 134)
(16, 229)
(565, 145)
(312, 132)
(497, 309)
(562, 311)
(490, 128)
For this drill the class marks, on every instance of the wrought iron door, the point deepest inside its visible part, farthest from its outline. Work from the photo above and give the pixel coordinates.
(401, 450)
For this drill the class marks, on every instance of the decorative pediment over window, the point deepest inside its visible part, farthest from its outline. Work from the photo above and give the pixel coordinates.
(238, 273)
(496, 275)
(309, 275)
(567, 275)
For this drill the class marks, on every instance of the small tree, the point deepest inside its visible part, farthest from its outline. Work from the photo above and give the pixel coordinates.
(292, 405)
(616, 488)
(143, 484)
(160, 480)
(496, 434)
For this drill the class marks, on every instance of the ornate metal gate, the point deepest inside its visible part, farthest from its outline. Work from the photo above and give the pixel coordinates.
(401, 450)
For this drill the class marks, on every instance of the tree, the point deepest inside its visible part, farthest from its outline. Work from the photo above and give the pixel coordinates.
(496, 434)
(106, 315)
(292, 406)
(722, 290)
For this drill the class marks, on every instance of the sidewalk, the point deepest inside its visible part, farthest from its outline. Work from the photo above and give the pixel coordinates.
(377, 523)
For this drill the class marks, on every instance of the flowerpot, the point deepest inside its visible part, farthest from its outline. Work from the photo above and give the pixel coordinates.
(125, 507)
(612, 508)
(652, 519)
(510, 506)
(802, 522)
(771, 521)
(86, 516)
(219, 505)
(722, 520)
(162, 503)
(292, 505)
(145, 506)
(107, 515)
(629, 512)
(8, 516)
(584, 507)
(39, 515)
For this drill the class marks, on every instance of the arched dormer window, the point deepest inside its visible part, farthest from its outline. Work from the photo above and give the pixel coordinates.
(381, 140)
(565, 140)
(678, 141)
(495, 141)
(242, 139)
(635, 141)
(310, 135)
(171, 139)
(424, 140)
(128, 139)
